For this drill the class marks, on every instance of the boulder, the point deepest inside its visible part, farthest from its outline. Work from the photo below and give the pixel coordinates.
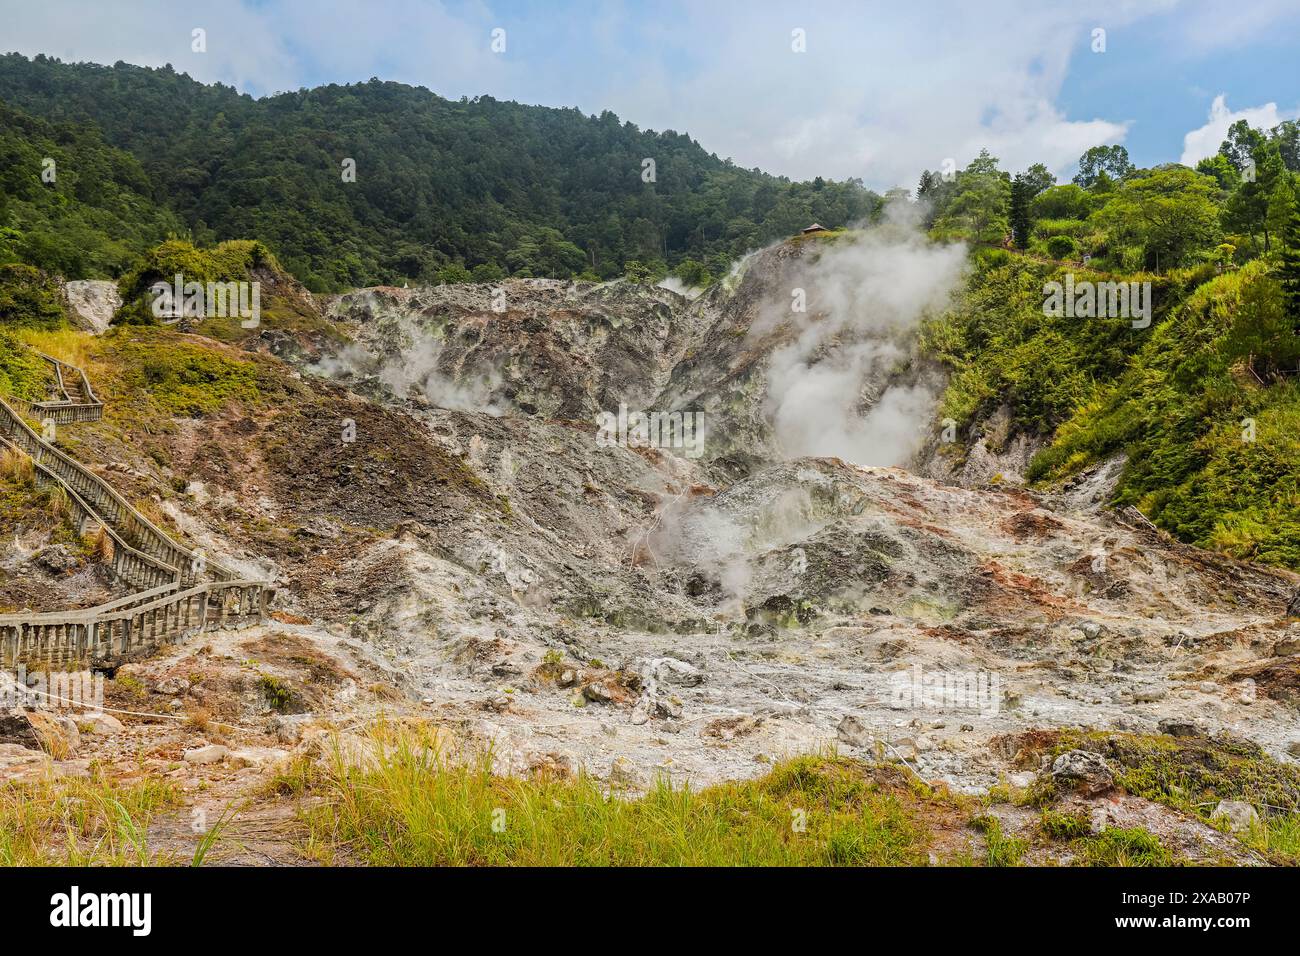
(1083, 771)
(1174, 727)
(1241, 816)
(103, 725)
(58, 733)
(212, 753)
(623, 775)
(853, 732)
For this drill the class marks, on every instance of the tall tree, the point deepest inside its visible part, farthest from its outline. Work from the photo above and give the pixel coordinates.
(1021, 194)
(1288, 271)
(1102, 164)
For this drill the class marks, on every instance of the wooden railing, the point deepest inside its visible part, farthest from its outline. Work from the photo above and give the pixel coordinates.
(104, 501)
(68, 410)
(180, 593)
(113, 633)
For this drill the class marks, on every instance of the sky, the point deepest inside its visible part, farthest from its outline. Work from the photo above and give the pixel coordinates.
(873, 90)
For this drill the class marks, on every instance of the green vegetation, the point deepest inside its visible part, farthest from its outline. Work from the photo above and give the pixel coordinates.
(1205, 400)
(1188, 774)
(69, 202)
(23, 374)
(445, 191)
(29, 298)
(227, 262)
(411, 807)
(183, 378)
(1129, 846)
(68, 821)
(1001, 850)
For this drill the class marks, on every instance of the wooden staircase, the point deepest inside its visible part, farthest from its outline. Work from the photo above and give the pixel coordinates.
(178, 591)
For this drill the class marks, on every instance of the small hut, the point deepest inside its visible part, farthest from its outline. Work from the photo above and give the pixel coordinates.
(813, 229)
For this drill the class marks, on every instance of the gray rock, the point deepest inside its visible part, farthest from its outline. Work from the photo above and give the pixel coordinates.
(1241, 816)
(1175, 727)
(1083, 771)
(623, 775)
(102, 725)
(853, 732)
(1149, 695)
(1286, 647)
(171, 686)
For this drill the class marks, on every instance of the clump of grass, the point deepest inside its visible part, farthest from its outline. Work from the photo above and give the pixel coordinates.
(102, 548)
(1277, 836)
(1064, 826)
(413, 805)
(58, 505)
(65, 344)
(1002, 850)
(277, 693)
(1124, 847)
(82, 822)
(17, 467)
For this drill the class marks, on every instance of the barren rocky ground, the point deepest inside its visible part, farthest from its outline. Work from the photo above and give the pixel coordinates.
(454, 546)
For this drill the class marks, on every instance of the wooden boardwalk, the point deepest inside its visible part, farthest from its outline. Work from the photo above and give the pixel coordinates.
(177, 592)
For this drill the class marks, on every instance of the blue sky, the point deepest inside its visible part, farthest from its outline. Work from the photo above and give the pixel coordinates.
(881, 91)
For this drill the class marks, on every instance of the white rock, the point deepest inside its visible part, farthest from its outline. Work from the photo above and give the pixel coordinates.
(100, 724)
(212, 753)
(1241, 816)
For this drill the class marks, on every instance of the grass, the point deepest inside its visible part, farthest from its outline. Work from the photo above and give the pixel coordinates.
(414, 806)
(1132, 846)
(1001, 850)
(81, 822)
(68, 345)
(17, 468)
(1190, 775)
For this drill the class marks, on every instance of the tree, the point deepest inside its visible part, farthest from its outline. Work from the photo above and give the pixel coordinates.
(1247, 208)
(1021, 194)
(1242, 143)
(978, 207)
(1263, 334)
(1170, 213)
(1221, 168)
(1288, 271)
(1038, 178)
(1102, 164)
(1067, 201)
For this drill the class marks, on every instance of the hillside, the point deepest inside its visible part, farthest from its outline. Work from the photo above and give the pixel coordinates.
(467, 570)
(442, 189)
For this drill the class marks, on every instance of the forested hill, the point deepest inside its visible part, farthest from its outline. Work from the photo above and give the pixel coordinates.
(442, 188)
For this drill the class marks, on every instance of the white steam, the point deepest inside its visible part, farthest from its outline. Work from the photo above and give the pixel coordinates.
(828, 390)
(409, 360)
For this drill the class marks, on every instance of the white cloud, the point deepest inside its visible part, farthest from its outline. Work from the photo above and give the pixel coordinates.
(1205, 140)
(881, 93)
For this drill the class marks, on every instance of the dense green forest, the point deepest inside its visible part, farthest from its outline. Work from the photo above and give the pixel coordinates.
(69, 202)
(443, 190)
(1205, 400)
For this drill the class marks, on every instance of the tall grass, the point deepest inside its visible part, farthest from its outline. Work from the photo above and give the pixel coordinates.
(67, 345)
(17, 467)
(81, 822)
(414, 806)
